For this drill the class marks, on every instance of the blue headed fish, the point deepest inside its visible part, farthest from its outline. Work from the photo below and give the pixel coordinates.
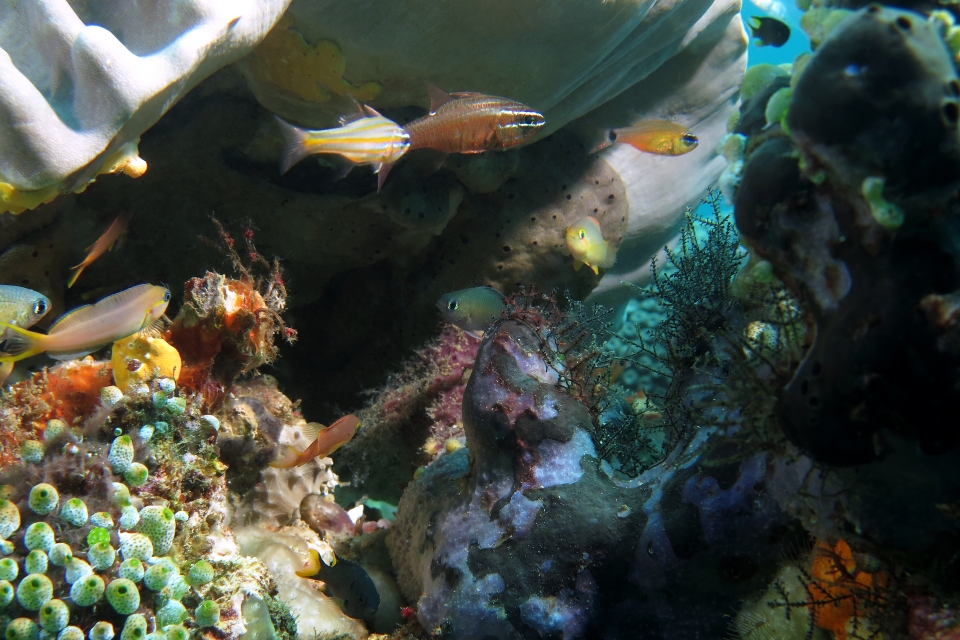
(20, 307)
(473, 123)
(587, 246)
(368, 139)
(347, 582)
(87, 328)
(473, 310)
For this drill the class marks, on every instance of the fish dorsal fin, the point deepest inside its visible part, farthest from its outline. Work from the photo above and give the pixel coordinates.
(594, 220)
(438, 97)
(90, 311)
(312, 429)
(468, 94)
(357, 113)
(371, 112)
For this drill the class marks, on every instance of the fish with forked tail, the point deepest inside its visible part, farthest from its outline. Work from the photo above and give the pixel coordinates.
(325, 442)
(87, 328)
(22, 308)
(660, 137)
(369, 138)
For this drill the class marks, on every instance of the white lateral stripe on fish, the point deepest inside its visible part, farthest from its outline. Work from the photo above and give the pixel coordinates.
(90, 327)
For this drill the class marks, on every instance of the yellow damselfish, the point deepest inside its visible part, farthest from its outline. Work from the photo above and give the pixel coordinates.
(587, 246)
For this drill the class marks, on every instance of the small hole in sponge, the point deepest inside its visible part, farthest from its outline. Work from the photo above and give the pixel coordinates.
(951, 112)
(904, 23)
(953, 88)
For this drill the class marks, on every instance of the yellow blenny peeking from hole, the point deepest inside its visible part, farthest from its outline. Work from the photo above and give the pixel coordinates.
(587, 246)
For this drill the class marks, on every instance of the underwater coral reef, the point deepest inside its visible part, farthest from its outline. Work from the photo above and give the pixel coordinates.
(489, 321)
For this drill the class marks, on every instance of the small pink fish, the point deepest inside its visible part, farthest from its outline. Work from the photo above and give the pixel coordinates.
(327, 441)
(102, 245)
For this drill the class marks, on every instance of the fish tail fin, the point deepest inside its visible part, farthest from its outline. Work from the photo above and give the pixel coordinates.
(77, 270)
(312, 567)
(294, 145)
(611, 257)
(382, 171)
(20, 343)
(287, 458)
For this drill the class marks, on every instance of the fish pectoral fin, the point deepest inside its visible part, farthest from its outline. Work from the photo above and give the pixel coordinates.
(577, 264)
(312, 567)
(312, 429)
(435, 165)
(596, 269)
(438, 97)
(286, 458)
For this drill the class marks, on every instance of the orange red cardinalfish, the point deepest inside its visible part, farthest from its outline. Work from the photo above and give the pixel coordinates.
(101, 246)
(326, 442)
(661, 137)
(473, 123)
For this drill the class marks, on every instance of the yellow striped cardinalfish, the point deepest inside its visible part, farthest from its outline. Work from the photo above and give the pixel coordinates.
(587, 246)
(661, 137)
(368, 139)
(87, 328)
(473, 310)
(325, 442)
(20, 307)
(473, 123)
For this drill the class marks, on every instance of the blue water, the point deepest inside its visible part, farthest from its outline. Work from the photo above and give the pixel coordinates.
(787, 11)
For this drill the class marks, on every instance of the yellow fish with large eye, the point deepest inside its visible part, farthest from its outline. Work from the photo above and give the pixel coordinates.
(587, 246)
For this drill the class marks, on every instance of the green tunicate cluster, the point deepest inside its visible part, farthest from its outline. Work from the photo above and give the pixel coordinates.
(135, 545)
(101, 631)
(70, 633)
(129, 517)
(167, 385)
(759, 76)
(34, 591)
(158, 576)
(8, 569)
(6, 593)
(121, 454)
(74, 511)
(43, 499)
(887, 214)
(159, 399)
(88, 590)
(158, 524)
(31, 451)
(131, 569)
(102, 519)
(76, 569)
(22, 629)
(176, 632)
(36, 562)
(97, 535)
(778, 106)
(207, 614)
(173, 612)
(101, 556)
(200, 573)
(54, 616)
(176, 588)
(123, 596)
(136, 474)
(54, 429)
(819, 22)
(60, 554)
(176, 406)
(119, 494)
(135, 628)
(39, 535)
(9, 518)
(210, 421)
(111, 396)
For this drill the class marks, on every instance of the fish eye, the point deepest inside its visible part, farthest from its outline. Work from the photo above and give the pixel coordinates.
(689, 138)
(452, 305)
(40, 307)
(529, 120)
(166, 297)
(582, 234)
(362, 600)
